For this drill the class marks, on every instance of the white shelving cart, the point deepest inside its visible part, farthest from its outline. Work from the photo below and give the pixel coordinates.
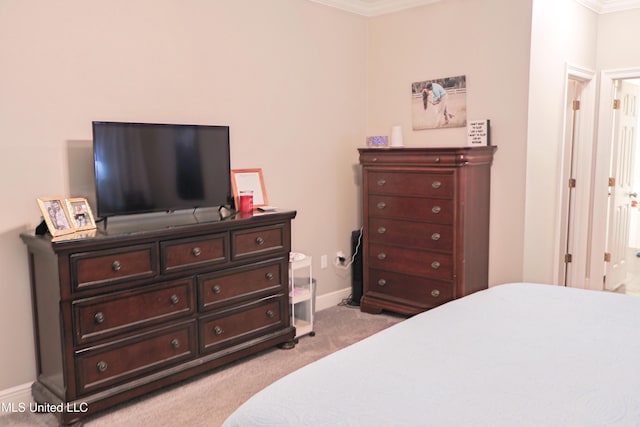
(301, 294)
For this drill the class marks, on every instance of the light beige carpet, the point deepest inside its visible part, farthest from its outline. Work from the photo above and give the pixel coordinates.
(209, 399)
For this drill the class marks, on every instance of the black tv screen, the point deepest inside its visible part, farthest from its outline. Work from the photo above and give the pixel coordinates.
(145, 167)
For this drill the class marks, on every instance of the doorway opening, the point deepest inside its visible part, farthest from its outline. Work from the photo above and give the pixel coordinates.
(622, 256)
(616, 219)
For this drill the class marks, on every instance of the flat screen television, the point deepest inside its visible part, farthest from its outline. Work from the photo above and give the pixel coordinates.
(146, 167)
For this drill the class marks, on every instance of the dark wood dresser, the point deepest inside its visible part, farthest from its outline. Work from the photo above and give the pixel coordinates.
(130, 310)
(426, 226)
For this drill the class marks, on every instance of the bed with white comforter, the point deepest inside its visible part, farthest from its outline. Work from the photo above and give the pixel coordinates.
(513, 355)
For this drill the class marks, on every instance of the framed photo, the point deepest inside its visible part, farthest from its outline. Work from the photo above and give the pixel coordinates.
(249, 180)
(439, 103)
(80, 214)
(55, 214)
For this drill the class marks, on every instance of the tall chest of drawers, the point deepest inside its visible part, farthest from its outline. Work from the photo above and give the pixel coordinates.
(425, 226)
(126, 312)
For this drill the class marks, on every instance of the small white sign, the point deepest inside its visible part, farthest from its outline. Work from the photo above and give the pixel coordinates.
(478, 133)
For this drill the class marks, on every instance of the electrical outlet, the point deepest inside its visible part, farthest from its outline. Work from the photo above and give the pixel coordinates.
(323, 261)
(341, 258)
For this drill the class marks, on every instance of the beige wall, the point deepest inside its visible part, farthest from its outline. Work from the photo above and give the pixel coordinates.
(618, 35)
(288, 76)
(488, 41)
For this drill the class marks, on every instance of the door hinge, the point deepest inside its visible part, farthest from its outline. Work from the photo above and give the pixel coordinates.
(607, 257)
(572, 183)
(576, 105)
(612, 182)
(567, 258)
(616, 104)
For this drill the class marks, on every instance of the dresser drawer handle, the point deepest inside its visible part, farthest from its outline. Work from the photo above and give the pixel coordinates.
(382, 205)
(102, 366)
(436, 184)
(382, 256)
(116, 266)
(435, 293)
(382, 282)
(382, 230)
(196, 251)
(216, 289)
(435, 236)
(437, 159)
(99, 317)
(259, 241)
(436, 209)
(175, 343)
(381, 182)
(435, 265)
(218, 330)
(270, 314)
(269, 276)
(174, 299)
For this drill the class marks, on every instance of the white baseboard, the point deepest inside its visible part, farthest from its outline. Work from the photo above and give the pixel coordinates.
(332, 299)
(15, 395)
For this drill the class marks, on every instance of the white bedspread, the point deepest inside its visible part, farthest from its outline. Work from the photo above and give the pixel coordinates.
(514, 355)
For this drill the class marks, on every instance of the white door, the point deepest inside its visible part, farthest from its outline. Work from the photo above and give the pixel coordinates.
(623, 153)
(572, 112)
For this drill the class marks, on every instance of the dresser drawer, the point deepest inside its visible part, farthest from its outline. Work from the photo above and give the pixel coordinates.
(194, 252)
(411, 290)
(106, 267)
(410, 234)
(231, 327)
(412, 183)
(258, 241)
(413, 208)
(429, 264)
(127, 359)
(100, 317)
(217, 289)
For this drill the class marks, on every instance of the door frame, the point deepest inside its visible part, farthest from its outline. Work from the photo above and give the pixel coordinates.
(583, 164)
(602, 159)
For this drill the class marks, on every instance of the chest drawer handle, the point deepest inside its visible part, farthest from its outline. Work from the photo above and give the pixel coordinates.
(435, 293)
(218, 330)
(116, 266)
(175, 343)
(270, 314)
(435, 236)
(196, 251)
(382, 205)
(259, 241)
(436, 184)
(436, 209)
(382, 256)
(269, 276)
(102, 366)
(174, 299)
(382, 182)
(382, 282)
(435, 265)
(99, 317)
(382, 230)
(216, 289)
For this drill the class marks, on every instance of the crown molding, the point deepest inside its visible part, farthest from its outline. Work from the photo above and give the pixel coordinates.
(609, 6)
(374, 7)
(380, 7)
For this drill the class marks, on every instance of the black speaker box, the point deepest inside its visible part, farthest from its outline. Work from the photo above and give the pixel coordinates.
(356, 267)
